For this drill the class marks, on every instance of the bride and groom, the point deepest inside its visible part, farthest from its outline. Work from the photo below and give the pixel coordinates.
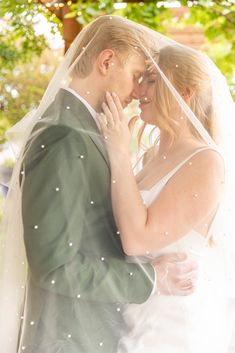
(111, 257)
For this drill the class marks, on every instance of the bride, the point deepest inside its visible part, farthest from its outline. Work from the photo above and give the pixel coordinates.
(173, 203)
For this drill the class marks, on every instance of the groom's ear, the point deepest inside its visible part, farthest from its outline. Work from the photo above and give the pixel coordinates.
(105, 61)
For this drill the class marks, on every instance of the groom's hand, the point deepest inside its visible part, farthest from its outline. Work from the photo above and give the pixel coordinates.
(176, 274)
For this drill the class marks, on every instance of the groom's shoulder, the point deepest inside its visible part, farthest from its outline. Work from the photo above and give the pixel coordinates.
(52, 138)
(50, 131)
(57, 127)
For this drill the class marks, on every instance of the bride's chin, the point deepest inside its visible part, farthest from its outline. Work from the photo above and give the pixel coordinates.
(145, 118)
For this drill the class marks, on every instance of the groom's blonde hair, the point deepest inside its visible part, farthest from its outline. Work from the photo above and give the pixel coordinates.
(109, 32)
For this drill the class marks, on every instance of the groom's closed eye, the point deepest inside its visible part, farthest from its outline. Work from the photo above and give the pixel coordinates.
(136, 78)
(138, 75)
(140, 79)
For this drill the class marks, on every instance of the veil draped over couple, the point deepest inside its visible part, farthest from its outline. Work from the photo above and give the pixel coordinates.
(94, 257)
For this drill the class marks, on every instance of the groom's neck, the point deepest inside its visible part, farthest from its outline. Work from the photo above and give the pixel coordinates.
(89, 90)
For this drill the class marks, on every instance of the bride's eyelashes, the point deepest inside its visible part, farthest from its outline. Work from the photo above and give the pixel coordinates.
(151, 79)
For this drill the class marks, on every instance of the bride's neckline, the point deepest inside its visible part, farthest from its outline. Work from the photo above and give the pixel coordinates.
(154, 186)
(173, 170)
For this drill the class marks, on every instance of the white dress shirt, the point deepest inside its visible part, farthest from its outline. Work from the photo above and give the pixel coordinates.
(87, 105)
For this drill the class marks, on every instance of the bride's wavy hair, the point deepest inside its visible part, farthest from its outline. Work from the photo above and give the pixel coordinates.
(186, 69)
(109, 32)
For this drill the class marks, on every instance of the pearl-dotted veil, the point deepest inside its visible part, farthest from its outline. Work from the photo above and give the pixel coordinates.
(15, 267)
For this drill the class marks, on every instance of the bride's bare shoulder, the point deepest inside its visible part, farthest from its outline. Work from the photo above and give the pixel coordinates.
(212, 158)
(206, 167)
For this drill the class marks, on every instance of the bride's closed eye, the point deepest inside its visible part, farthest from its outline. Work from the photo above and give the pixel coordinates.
(151, 78)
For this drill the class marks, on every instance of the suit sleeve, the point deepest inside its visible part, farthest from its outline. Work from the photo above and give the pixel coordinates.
(55, 200)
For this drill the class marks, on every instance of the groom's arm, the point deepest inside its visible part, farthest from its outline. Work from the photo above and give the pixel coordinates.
(54, 215)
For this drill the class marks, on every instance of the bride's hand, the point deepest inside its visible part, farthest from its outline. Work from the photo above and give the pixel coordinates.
(116, 131)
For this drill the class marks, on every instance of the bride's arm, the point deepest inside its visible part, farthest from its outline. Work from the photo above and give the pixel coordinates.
(188, 198)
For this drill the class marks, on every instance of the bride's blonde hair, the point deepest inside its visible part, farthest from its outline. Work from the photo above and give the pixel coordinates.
(188, 70)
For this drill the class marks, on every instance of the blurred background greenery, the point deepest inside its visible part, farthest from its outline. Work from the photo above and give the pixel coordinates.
(35, 33)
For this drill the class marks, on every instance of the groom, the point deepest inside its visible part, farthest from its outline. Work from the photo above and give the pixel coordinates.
(78, 278)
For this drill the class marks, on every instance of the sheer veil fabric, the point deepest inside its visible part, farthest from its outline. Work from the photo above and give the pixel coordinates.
(51, 286)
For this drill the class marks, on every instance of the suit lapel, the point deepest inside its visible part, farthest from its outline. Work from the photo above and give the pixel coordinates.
(90, 126)
(81, 119)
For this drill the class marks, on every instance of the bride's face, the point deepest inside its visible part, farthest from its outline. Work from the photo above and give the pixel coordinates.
(147, 98)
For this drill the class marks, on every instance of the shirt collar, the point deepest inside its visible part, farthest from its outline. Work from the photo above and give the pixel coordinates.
(87, 105)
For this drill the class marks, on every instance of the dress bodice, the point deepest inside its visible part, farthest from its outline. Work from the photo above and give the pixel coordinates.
(150, 195)
(193, 241)
(180, 324)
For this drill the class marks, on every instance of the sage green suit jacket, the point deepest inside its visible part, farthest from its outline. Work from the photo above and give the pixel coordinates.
(78, 278)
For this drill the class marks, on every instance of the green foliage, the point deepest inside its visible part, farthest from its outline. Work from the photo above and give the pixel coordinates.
(4, 125)
(18, 39)
(22, 89)
(145, 13)
(149, 15)
(85, 12)
(218, 24)
(8, 163)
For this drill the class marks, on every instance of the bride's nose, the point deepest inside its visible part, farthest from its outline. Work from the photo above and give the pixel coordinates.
(142, 89)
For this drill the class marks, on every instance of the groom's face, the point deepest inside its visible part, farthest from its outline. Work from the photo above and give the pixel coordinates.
(125, 78)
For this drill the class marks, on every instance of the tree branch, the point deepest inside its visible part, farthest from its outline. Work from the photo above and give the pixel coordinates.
(217, 12)
(71, 27)
(52, 8)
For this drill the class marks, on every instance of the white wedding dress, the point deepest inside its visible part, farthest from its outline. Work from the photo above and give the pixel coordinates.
(198, 323)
